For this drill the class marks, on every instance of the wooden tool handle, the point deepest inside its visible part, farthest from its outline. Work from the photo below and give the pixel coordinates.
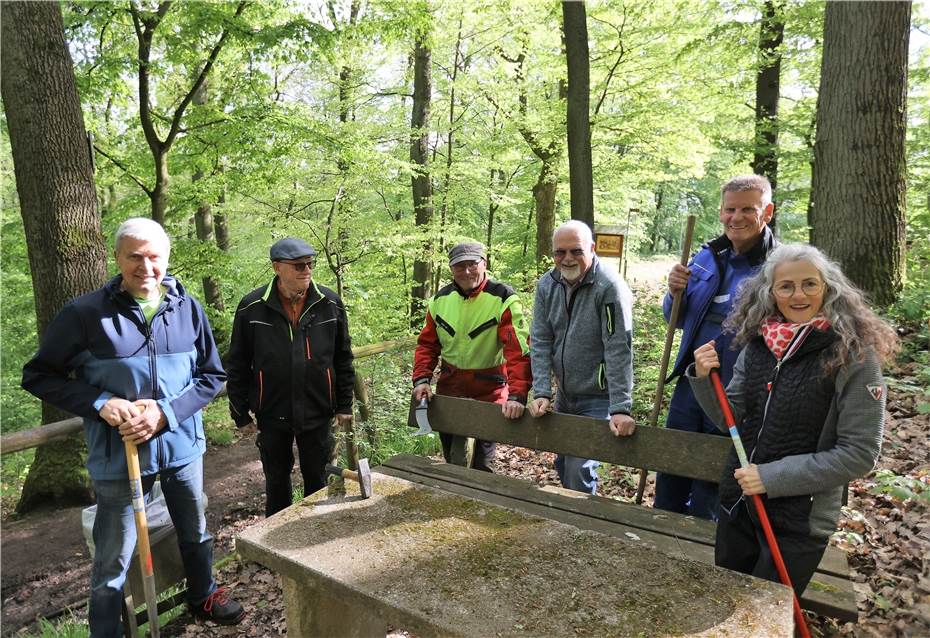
(667, 350)
(343, 473)
(142, 536)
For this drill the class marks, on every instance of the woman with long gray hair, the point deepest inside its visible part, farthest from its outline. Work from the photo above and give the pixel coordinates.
(809, 400)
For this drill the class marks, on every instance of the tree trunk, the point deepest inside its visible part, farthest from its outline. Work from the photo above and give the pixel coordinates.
(146, 24)
(450, 145)
(493, 205)
(420, 182)
(203, 220)
(859, 187)
(544, 200)
(771, 34)
(220, 220)
(657, 222)
(579, 130)
(55, 183)
(159, 194)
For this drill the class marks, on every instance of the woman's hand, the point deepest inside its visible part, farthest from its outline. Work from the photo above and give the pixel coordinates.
(749, 480)
(705, 359)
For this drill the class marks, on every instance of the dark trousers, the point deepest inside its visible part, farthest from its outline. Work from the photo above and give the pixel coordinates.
(276, 448)
(741, 546)
(679, 493)
(484, 452)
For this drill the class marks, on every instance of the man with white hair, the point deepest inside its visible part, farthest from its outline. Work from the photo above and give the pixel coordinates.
(582, 332)
(709, 286)
(136, 359)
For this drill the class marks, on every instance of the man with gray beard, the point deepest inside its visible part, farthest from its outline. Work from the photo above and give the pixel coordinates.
(582, 332)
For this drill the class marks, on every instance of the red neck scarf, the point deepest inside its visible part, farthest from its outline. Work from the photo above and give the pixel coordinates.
(779, 334)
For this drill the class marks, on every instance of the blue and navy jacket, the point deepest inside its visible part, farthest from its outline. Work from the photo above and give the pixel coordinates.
(100, 346)
(707, 273)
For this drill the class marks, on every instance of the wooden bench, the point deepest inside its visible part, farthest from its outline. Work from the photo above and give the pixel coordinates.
(697, 456)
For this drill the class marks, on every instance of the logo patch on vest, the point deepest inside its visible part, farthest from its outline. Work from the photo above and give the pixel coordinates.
(876, 391)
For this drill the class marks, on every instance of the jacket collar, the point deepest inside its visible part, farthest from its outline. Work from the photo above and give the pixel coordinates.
(271, 298)
(474, 292)
(174, 291)
(756, 255)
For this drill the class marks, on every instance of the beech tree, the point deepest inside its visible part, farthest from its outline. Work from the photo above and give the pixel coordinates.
(55, 183)
(420, 180)
(768, 78)
(858, 202)
(575, 29)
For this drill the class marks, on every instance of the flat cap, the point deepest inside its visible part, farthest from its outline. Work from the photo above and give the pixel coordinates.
(467, 251)
(291, 248)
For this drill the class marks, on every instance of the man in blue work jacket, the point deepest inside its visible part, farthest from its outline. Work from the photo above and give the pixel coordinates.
(136, 358)
(710, 283)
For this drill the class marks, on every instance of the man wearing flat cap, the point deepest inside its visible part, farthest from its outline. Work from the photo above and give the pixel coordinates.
(475, 331)
(290, 371)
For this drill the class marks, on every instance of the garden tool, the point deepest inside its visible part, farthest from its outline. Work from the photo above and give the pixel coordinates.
(142, 536)
(362, 476)
(730, 421)
(666, 353)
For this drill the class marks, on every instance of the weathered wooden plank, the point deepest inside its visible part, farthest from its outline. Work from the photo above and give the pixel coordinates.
(699, 456)
(831, 592)
(34, 437)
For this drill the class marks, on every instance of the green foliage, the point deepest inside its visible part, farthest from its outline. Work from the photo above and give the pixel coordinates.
(903, 488)
(303, 129)
(68, 627)
(648, 345)
(216, 423)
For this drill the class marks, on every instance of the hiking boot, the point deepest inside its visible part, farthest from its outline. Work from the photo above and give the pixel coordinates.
(219, 608)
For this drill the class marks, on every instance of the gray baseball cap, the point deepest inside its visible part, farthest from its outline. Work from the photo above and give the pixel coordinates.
(291, 248)
(467, 251)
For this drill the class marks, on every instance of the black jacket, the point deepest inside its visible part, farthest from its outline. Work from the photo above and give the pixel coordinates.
(287, 378)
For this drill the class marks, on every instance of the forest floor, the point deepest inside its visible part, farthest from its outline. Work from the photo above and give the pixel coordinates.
(46, 565)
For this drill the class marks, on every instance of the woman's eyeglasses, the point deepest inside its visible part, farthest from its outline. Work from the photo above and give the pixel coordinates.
(786, 289)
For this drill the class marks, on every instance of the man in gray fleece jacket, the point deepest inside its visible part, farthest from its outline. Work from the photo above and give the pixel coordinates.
(582, 332)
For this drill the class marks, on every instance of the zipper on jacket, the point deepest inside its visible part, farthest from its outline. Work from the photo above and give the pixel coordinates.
(307, 340)
(329, 382)
(569, 304)
(261, 388)
(770, 387)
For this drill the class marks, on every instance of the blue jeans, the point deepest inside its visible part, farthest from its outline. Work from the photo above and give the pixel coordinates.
(115, 540)
(576, 473)
(678, 493)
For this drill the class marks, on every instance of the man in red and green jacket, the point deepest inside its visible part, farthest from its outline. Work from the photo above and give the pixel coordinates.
(476, 331)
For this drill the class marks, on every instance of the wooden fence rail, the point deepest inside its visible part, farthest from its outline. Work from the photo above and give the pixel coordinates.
(34, 437)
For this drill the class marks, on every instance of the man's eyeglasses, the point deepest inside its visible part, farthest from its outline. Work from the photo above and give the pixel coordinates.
(300, 266)
(786, 289)
(559, 253)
